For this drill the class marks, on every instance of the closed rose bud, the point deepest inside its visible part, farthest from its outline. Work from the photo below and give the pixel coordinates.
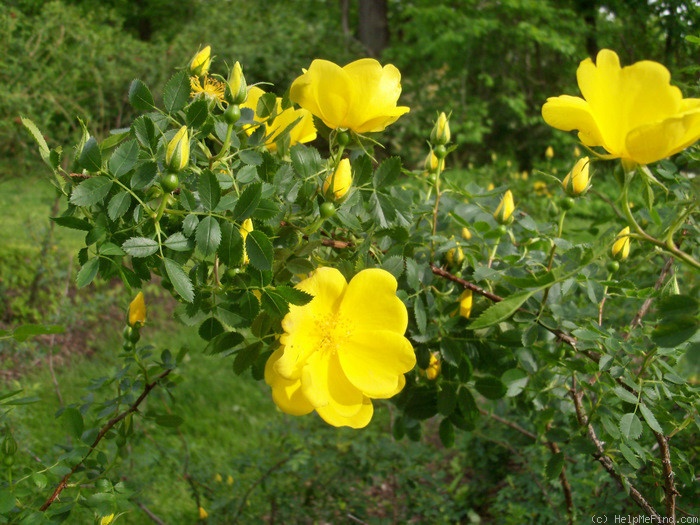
(455, 256)
(466, 234)
(177, 153)
(434, 366)
(107, 520)
(137, 310)
(576, 182)
(441, 131)
(201, 62)
(465, 304)
(203, 514)
(237, 87)
(621, 246)
(504, 211)
(549, 152)
(430, 165)
(336, 185)
(245, 229)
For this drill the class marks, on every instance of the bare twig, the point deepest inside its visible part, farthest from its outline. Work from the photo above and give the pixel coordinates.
(155, 519)
(510, 424)
(670, 491)
(101, 434)
(604, 459)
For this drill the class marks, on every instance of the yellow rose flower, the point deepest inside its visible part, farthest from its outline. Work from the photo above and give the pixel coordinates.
(633, 112)
(303, 131)
(576, 182)
(107, 520)
(621, 246)
(137, 310)
(361, 96)
(504, 211)
(342, 349)
(337, 184)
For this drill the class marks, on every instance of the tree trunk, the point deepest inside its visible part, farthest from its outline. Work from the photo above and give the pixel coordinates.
(373, 26)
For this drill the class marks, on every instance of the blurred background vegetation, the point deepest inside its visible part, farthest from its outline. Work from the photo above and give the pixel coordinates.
(491, 63)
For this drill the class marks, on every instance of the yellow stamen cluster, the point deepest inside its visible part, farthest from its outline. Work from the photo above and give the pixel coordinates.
(211, 89)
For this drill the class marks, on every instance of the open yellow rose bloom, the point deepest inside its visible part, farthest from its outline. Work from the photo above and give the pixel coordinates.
(361, 96)
(302, 132)
(343, 348)
(633, 112)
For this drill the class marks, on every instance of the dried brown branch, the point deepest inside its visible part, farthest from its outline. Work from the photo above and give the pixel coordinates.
(101, 434)
(670, 491)
(637, 320)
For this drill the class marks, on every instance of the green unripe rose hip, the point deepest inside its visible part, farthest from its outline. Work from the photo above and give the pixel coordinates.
(327, 210)
(169, 182)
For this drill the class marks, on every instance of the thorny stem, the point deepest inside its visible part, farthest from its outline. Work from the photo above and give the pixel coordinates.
(100, 435)
(604, 459)
(552, 251)
(438, 194)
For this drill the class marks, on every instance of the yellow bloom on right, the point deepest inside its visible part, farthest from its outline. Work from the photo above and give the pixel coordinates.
(633, 112)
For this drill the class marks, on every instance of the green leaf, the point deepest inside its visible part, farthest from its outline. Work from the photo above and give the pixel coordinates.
(446, 432)
(490, 387)
(140, 246)
(500, 311)
(118, 205)
(293, 295)
(554, 465)
(387, 172)
(515, 380)
(630, 426)
(38, 137)
(209, 190)
(362, 170)
(178, 242)
(259, 249)
(7, 501)
(649, 417)
(626, 395)
(248, 202)
(393, 265)
(197, 113)
(91, 191)
(124, 158)
(210, 328)
(306, 161)
(267, 104)
(88, 272)
(630, 456)
(447, 399)
(145, 131)
(176, 92)
(73, 422)
(25, 331)
(246, 357)
(420, 314)
(109, 248)
(74, 223)
(226, 341)
(273, 303)
(179, 279)
(140, 96)
(144, 175)
(208, 236)
(231, 246)
(91, 156)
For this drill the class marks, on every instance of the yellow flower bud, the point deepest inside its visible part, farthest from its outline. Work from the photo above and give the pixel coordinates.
(137, 310)
(540, 188)
(441, 131)
(245, 229)
(203, 514)
(229, 480)
(218, 478)
(177, 153)
(431, 163)
(336, 186)
(466, 234)
(455, 256)
(106, 520)
(504, 212)
(434, 367)
(465, 303)
(524, 175)
(490, 186)
(621, 246)
(201, 62)
(549, 152)
(577, 152)
(576, 182)
(237, 87)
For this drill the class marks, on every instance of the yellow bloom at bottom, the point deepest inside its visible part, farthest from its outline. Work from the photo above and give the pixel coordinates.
(137, 310)
(203, 514)
(342, 349)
